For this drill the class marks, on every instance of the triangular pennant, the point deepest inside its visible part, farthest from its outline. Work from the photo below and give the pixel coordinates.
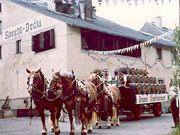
(122, 2)
(107, 2)
(143, 1)
(115, 2)
(156, 1)
(99, 1)
(162, 1)
(129, 2)
(136, 2)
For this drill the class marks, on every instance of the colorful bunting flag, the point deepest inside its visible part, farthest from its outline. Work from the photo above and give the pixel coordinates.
(115, 2)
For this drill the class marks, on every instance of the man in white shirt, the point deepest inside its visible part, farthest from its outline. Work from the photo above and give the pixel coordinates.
(106, 77)
(174, 105)
(121, 78)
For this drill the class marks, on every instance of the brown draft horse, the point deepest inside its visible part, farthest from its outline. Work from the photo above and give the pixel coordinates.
(108, 101)
(74, 94)
(37, 86)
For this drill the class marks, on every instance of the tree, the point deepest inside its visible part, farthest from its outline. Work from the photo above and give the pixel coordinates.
(176, 74)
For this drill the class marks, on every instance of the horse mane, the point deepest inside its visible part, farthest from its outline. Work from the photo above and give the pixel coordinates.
(43, 78)
(67, 74)
(99, 71)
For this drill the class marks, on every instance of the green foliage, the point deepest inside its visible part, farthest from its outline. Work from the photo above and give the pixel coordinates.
(176, 50)
(176, 131)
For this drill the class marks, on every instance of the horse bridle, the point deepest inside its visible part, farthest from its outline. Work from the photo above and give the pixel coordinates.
(35, 89)
(102, 91)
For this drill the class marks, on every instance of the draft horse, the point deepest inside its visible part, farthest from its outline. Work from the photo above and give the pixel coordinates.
(79, 99)
(108, 101)
(37, 88)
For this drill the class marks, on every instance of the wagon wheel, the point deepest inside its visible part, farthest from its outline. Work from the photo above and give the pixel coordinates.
(136, 111)
(157, 109)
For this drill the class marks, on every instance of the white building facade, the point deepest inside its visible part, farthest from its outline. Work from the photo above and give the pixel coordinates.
(60, 47)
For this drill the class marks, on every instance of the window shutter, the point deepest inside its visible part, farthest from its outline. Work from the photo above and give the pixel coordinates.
(41, 40)
(33, 45)
(52, 38)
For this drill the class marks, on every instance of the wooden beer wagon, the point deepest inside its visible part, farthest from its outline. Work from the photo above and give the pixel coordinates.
(142, 93)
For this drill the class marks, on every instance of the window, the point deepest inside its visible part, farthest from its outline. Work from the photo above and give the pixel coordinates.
(0, 27)
(93, 40)
(43, 41)
(159, 53)
(18, 46)
(161, 81)
(0, 52)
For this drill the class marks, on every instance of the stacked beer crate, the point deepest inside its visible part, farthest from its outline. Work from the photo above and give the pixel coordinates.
(139, 80)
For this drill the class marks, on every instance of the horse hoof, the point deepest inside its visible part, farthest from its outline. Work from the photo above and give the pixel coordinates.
(117, 124)
(108, 127)
(112, 124)
(72, 133)
(52, 129)
(90, 131)
(57, 133)
(99, 127)
(84, 133)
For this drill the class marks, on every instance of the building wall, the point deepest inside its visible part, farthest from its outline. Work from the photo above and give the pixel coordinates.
(67, 55)
(13, 81)
(83, 63)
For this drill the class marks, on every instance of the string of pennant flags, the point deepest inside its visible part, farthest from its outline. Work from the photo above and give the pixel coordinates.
(129, 2)
(106, 59)
(134, 47)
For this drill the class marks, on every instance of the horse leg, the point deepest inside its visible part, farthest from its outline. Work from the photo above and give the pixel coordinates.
(117, 117)
(99, 126)
(57, 115)
(113, 116)
(72, 130)
(90, 125)
(44, 131)
(84, 125)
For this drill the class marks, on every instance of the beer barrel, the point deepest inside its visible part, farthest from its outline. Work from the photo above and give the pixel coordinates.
(146, 79)
(157, 88)
(154, 80)
(137, 71)
(146, 72)
(133, 71)
(125, 70)
(144, 88)
(136, 86)
(141, 72)
(148, 88)
(137, 79)
(131, 79)
(153, 89)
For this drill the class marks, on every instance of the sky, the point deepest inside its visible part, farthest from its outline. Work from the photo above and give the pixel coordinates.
(134, 17)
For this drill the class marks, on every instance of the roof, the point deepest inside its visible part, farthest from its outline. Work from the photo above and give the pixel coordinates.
(153, 30)
(97, 24)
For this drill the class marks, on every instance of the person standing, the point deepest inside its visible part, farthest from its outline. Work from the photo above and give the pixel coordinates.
(121, 78)
(174, 105)
(106, 77)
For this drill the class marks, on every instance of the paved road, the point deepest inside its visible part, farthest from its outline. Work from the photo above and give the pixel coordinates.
(148, 125)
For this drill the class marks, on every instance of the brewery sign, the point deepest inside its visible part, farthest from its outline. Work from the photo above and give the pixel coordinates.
(23, 28)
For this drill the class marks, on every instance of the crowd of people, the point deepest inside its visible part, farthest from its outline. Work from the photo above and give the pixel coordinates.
(120, 78)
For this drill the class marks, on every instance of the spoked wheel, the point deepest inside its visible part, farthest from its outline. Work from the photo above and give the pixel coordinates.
(136, 111)
(157, 109)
